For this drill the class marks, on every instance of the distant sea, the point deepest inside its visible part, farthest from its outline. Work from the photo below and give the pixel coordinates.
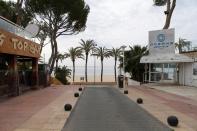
(108, 73)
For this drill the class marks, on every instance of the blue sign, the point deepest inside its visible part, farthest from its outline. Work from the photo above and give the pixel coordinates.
(161, 41)
(161, 38)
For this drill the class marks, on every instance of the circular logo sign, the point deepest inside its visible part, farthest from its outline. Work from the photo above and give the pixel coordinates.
(161, 37)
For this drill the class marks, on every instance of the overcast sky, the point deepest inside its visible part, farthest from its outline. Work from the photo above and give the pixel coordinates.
(112, 23)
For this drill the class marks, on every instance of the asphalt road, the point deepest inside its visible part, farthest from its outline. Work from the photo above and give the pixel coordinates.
(107, 109)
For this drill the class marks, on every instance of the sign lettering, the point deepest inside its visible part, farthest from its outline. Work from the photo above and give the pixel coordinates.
(2, 37)
(13, 44)
(20, 45)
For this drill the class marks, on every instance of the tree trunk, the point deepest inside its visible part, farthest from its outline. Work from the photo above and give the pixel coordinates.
(41, 44)
(56, 64)
(53, 55)
(180, 49)
(86, 74)
(51, 58)
(115, 70)
(169, 13)
(101, 70)
(73, 71)
(18, 11)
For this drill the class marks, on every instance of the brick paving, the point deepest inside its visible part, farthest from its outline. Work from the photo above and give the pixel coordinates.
(26, 112)
(162, 104)
(42, 110)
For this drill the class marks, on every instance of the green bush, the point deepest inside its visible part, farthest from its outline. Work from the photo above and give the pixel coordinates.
(62, 74)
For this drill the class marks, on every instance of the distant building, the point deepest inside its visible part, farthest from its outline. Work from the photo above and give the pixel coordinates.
(163, 65)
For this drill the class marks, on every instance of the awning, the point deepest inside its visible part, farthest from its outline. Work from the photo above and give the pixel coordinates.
(166, 58)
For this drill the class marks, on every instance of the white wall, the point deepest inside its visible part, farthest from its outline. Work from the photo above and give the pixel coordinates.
(181, 74)
(186, 75)
(194, 82)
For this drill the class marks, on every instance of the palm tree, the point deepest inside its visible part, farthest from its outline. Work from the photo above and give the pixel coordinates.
(182, 43)
(170, 8)
(87, 46)
(74, 53)
(115, 52)
(60, 57)
(132, 61)
(102, 52)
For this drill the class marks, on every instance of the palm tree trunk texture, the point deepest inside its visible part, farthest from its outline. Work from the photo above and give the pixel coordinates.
(73, 71)
(86, 74)
(169, 13)
(101, 70)
(115, 70)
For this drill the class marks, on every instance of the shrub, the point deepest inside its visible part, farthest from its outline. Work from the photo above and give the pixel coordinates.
(62, 74)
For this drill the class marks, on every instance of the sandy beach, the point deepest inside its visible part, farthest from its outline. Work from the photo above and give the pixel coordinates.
(106, 78)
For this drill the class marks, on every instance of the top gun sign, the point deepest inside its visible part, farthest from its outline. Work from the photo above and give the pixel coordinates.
(161, 41)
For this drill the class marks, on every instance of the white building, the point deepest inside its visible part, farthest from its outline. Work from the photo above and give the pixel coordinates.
(163, 65)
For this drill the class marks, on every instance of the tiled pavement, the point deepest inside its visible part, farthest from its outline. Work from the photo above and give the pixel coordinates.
(186, 91)
(40, 110)
(162, 104)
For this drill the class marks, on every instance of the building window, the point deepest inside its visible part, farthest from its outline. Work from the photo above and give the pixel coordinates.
(195, 69)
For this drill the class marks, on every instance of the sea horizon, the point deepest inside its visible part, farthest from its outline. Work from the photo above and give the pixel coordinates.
(108, 73)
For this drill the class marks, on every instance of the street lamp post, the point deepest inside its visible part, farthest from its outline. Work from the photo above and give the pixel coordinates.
(93, 53)
(123, 48)
(94, 69)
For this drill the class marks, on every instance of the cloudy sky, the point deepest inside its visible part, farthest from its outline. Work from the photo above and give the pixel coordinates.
(112, 23)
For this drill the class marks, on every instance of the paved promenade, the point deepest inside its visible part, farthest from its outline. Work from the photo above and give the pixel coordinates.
(162, 102)
(43, 110)
(107, 109)
(40, 110)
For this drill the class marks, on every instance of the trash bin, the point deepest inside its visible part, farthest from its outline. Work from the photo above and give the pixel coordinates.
(120, 81)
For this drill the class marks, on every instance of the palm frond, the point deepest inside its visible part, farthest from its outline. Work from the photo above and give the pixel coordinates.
(74, 53)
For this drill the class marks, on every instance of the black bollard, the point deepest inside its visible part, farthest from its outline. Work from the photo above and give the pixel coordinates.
(139, 101)
(126, 91)
(173, 121)
(80, 89)
(76, 94)
(67, 107)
